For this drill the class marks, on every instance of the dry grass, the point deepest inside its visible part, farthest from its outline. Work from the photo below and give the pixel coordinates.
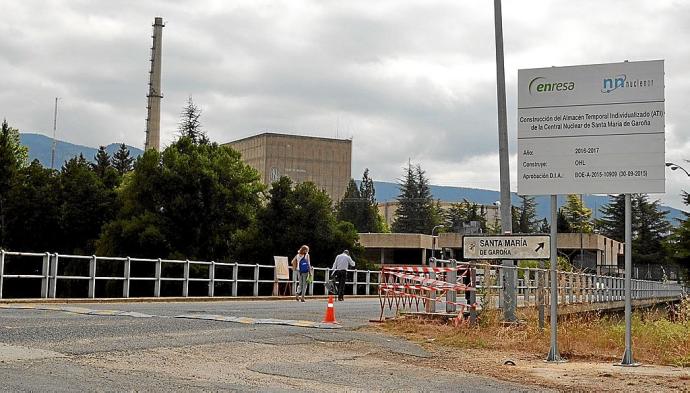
(659, 336)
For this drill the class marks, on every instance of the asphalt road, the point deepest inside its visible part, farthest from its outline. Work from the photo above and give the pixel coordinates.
(51, 350)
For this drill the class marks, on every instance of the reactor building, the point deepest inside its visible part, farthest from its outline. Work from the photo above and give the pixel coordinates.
(325, 162)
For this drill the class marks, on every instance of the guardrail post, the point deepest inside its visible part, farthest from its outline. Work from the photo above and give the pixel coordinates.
(211, 278)
(354, 282)
(92, 277)
(311, 284)
(473, 293)
(127, 275)
(185, 283)
(157, 285)
(499, 271)
(2, 269)
(234, 278)
(452, 278)
(52, 283)
(45, 272)
(326, 279)
(431, 303)
(368, 278)
(256, 280)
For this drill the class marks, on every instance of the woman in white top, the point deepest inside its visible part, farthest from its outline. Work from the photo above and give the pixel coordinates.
(302, 265)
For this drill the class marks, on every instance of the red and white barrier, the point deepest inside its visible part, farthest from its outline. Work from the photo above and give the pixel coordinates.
(405, 287)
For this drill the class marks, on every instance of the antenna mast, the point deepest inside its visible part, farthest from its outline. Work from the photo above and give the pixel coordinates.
(52, 150)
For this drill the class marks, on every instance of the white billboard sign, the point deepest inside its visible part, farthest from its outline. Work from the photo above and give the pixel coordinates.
(593, 129)
(506, 247)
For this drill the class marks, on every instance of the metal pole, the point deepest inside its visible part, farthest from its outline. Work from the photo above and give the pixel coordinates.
(582, 251)
(92, 277)
(628, 355)
(510, 298)
(52, 150)
(451, 278)
(541, 277)
(554, 356)
(2, 269)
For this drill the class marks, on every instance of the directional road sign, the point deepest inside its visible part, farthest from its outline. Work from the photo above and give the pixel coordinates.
(507, 247)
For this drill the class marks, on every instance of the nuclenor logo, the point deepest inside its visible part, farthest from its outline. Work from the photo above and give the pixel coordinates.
(541, 85)
(621, 81)
(611, 84)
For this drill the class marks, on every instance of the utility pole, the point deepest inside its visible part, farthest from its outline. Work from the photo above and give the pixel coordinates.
(52, 150)
(510, 298)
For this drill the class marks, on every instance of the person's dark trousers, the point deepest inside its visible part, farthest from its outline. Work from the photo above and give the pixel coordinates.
(341, 275)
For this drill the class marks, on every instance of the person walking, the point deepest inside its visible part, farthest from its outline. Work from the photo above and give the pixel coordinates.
(340, 265)
(302, 265)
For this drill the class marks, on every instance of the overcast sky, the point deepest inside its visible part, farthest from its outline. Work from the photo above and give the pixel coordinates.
(405, 79)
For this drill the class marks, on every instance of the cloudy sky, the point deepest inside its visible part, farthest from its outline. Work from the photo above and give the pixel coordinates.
(405, 79)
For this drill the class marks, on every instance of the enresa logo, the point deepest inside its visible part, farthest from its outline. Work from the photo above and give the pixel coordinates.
(541, 85)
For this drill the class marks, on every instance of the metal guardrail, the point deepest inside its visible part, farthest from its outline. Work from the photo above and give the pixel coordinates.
(360, 281)
(573, 287)
(258, 280)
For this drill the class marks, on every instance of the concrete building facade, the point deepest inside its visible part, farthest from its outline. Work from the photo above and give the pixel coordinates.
(602, 255)
(324, 161)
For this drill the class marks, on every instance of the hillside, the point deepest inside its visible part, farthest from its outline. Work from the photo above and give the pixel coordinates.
(39, 148)
(40, 145)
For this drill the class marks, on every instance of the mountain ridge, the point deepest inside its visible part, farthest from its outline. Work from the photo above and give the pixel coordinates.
(39, 146)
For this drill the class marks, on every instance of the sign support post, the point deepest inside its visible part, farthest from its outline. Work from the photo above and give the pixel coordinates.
(628, 355)
(554, 356)
(509, 273)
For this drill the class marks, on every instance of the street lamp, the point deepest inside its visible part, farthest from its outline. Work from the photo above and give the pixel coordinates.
(676, 166)
(433, 240)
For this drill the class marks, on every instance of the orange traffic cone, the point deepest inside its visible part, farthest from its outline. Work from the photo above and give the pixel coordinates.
(330, 311)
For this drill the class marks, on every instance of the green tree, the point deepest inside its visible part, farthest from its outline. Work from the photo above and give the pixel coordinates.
(460, 214)
(189, 201)
(352, 207)
(85, 205)
(526, 216)
(104, 169)
(373, 221)
(562, 223)
(12, 159)
(34, 210)
(612, 221)
(16, 151)
(294, 216)
(190, 125)
(416, 211)
(650, 231)
(122, 161)
(649, 227)
(579, 217)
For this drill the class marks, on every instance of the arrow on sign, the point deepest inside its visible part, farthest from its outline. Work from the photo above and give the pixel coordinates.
(539, 247)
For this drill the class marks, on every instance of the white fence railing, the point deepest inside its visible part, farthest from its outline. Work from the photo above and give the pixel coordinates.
(240, 279)
(573, 287)
(46, 273)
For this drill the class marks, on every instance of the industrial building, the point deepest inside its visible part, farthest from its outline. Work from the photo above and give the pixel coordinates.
(325, 162)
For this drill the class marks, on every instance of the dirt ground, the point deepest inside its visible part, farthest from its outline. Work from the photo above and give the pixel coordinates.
(576, 376)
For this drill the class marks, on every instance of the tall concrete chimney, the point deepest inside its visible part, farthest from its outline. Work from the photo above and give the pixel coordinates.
(153, 118)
